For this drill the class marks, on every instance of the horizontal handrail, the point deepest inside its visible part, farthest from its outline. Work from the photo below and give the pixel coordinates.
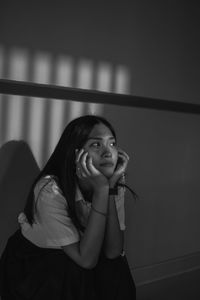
(13, 87)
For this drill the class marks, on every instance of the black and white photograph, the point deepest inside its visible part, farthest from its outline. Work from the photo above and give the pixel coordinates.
(99, 150)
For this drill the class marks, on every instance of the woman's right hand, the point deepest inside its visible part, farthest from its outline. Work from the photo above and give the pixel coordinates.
(87, 172)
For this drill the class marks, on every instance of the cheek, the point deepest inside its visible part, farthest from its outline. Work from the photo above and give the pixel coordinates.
(115, 156)
(94, 156)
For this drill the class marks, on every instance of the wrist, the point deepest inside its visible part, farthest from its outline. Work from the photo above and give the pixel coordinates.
(101, 189)
(112, 184)
(113, 191)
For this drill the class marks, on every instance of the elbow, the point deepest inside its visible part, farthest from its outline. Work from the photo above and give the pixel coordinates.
(89, 264)
(113, 254)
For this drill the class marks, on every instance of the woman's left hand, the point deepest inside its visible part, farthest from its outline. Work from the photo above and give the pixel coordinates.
(121, 167)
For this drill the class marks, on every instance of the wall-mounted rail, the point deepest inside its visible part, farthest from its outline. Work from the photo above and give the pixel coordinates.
(22, 88)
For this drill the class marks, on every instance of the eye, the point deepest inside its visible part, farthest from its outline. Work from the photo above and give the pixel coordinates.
(95, 145)
(113, 144)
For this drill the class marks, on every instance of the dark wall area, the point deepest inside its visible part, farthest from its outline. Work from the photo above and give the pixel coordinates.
(157, 40)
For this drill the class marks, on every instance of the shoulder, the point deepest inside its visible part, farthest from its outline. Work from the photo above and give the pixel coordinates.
(47, 184)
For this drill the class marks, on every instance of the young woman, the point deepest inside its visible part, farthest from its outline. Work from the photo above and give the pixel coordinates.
(71, 236)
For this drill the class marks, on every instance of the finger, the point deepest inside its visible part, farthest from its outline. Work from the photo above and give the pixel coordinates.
(80, 170)
(81, 173)
(91, 167)
(122, 166)
(120, 150)
(123, 155)
(83, 164)
(78, 155)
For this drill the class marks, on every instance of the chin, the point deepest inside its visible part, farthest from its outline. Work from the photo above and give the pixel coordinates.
(108, 175)
(107, 172)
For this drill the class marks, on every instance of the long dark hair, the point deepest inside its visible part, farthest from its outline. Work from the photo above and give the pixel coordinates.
(61, 164)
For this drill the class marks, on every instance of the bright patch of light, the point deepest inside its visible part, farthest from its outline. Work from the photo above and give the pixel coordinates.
(18, 70)
(64, 76)
(95, 109)
(122, 80)
(41, 74)
(64, 71)
(75, 110)
(84, 74)
(56, 122)
(1, 76)
(2, 58)
(104, 77)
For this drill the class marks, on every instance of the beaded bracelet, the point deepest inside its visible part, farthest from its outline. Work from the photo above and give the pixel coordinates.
(99, 212)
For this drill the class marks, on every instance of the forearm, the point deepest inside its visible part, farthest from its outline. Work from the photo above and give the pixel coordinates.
(114, 236)
(92, 240)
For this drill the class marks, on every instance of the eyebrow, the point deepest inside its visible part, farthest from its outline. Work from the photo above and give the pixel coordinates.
(99, 138)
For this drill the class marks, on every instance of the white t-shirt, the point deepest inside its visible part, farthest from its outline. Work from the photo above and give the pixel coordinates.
(53, 226)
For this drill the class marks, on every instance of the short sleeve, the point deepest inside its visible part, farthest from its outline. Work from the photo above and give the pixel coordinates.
(52, 214)
(119, 200)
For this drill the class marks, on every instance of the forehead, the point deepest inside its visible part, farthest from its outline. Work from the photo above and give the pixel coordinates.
(100, 130)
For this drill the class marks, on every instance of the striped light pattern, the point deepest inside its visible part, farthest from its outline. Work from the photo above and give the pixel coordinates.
(18, 70)
(40, 122)
(36, 135)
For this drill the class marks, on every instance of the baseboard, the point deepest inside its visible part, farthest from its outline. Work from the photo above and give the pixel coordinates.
(166, 269)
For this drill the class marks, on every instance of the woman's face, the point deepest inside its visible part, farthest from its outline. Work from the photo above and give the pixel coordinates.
(101, 146)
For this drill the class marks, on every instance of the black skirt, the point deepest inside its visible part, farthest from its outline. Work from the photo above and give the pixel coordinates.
(31, 272)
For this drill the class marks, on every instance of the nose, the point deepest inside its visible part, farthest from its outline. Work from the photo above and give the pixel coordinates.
(106, 152)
